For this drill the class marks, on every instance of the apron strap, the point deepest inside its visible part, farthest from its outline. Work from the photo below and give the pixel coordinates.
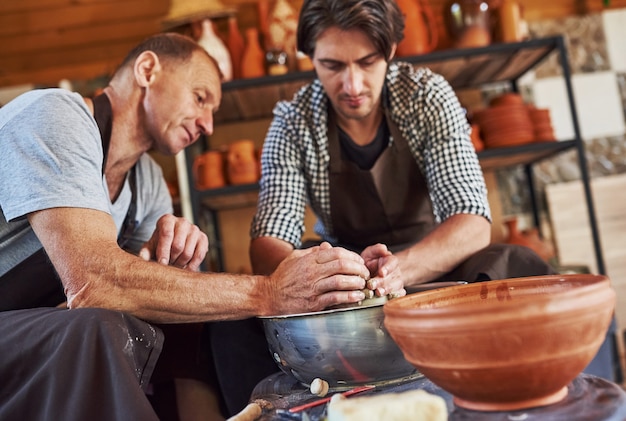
(103, 115)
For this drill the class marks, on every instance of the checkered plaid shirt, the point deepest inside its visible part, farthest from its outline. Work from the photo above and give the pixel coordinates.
(295, 159)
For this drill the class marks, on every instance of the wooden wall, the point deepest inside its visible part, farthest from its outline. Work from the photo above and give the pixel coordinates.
(43, 41)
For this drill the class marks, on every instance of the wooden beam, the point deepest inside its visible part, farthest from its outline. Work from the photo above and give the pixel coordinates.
(50, 76)
(12, 6)
(114, 50)
(79, 15)
(61, 39)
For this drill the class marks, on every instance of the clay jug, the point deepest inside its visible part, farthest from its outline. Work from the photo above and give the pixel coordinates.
(235, 45)
(214, 45)
(208, 170)
(242, 164)
(529, 238)
(420, 31)
(253, 58)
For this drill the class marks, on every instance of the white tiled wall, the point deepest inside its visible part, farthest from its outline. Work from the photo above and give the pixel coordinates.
(614, 22)
(597, 100)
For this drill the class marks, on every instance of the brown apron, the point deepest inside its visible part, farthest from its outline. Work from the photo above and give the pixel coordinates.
(380, 206)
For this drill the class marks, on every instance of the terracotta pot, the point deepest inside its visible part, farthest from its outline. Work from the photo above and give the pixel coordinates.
(420, 31)
(507, 344)
(243, 167)
(208, 170)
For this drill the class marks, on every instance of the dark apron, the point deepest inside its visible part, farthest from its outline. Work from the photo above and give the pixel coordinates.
(380, 206)
(34, 282)
(398, 213)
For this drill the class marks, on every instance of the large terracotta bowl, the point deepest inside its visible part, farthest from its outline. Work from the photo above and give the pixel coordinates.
(506, 344)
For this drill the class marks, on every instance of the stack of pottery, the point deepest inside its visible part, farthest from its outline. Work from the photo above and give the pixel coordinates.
(542, 124)
(506, 122)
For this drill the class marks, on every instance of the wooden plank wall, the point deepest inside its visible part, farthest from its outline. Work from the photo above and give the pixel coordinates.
(43, 41)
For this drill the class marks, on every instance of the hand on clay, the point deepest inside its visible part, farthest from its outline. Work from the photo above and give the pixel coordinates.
(316, 278)
(385, 273)
(176, 242)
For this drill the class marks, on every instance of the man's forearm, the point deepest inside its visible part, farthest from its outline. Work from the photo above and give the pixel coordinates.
(266, 253)
(446, 247)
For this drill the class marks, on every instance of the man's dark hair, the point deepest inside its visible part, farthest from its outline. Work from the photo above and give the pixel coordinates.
(381, 20)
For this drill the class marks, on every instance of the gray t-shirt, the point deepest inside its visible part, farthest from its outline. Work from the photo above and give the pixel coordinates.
(51, 156)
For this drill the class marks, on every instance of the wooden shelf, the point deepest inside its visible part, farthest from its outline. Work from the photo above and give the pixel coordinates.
(230, 197)
(234, 197)
(246, 99)
(496, 158)
(495, 63)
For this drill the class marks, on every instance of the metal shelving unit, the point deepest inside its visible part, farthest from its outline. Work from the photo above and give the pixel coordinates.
(463, 68)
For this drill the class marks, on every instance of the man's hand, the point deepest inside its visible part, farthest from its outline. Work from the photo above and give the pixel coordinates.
(316, 278)
(385, 274)
(176, 242)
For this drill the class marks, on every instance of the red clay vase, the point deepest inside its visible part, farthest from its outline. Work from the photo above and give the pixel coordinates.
(253, 58)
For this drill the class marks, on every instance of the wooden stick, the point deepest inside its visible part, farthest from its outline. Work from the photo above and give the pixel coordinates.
(252, 411)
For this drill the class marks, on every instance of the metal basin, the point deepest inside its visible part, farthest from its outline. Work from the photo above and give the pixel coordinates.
(345, 347)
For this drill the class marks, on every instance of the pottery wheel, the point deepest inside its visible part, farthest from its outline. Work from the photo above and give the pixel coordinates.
(589, 398)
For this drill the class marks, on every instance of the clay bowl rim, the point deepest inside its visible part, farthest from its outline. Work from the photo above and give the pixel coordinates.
(403, 307)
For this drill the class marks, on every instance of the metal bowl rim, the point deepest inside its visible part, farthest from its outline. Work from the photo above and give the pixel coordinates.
(323, 312)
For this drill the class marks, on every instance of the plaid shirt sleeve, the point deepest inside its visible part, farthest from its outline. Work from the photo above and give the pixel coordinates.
(431, 118)
(282, 195)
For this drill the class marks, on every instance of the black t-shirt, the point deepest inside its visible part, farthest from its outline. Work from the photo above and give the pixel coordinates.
(364, 156)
